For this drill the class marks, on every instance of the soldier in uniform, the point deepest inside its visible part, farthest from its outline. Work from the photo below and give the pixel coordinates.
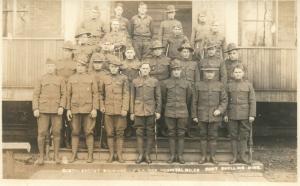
(82, 105)
(66, 68)
(209, 105)
(114, 102)
(49, 100)
(177, 93)
(98, 62)
(199, 34)
(118, 39)
(232, 61)
(159, 64)
(218, 38)
(95, 26)
(166, 26)
(83, 46)
(241, 111)
(141, 31)
(213, 61)
(145, 108)
(130, 68)
(124, 23)
(190, 72)
(175, 41)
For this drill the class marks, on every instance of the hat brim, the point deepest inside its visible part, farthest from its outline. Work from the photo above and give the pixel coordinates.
(89, 34)
(209, 69)
(181, 48)
(169, 11)
(153, 48)
(226, 51)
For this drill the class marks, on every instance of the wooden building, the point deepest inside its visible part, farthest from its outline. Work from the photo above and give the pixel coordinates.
(34, 30)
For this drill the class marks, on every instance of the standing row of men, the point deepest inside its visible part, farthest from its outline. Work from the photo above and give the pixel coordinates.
(172, 79)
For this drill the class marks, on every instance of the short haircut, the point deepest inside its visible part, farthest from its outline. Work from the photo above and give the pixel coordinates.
(238, 66)
(142, 4)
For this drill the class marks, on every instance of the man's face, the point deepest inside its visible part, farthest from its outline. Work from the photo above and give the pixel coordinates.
(211, 51)
(202, 19)
(50, 68)
(80, 68)
(177, 31)
(115, 25)
(118, 11)
(67, 53)
(83, 39)
(94, 15)
(97, 65)
(233, 55)
(145, 69)
(185, 53)
(114, 69)
(238, 74)
(171, 15)
(157, 51)
(142, 9)
(209, 74)
(107, 47)
(176, 72)
(214, 28)
(129, 54)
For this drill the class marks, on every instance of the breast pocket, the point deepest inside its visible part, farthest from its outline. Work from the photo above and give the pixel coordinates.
(190, 73)
(118, 87)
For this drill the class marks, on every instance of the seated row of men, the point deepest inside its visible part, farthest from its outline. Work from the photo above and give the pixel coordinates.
(195, 90)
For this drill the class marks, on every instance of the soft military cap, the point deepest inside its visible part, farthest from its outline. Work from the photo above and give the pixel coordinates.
(82, 59)
(99, 57)
(211, 45)
(175, 64)
(230, 47)
(209, 69)
(186, 45)
(113, 60)
(170, 8)
(81, 31)
(69, 45)
(156, 45)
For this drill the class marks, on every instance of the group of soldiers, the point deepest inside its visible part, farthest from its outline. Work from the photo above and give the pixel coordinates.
(113, 79)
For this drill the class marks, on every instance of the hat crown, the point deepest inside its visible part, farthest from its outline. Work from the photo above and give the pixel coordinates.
(112, 59)
(170, 8)
(69, 45)
(81, 31)
(81, 58)
(156, 44)
(175, 64)
(231, 46)
(99, 57)
(211, 45)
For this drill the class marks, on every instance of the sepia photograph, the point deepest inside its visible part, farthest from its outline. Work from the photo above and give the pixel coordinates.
(188, 90)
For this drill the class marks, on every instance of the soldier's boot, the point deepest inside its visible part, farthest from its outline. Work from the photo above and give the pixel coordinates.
(104, 140)
(110, 143)
(243, 149)
(213, 148)
(180, 150)
(150, 141)
(56, 145)
(203, 146)
(120, 142)
(234, 151)
(41, 144)
(90, 146)
(140, 148)
(172, 150)
(75, 144)
(47, 150)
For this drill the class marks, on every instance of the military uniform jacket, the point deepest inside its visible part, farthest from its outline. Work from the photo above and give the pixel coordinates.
(131, 69)
(95, 26)
(230, 64)
(190, 70)
(241, 100)
(174, 42)
(199, 34)
(145, 97)
(166, 29)
(209, 96)
(159, 66)
(220, 41)
(141, 27)
(118, 39)
(82, 94)
(49, 94)
(214, 62)
(176, 94)
(114, 94)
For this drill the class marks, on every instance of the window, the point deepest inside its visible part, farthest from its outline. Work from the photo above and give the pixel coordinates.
(32, 18)
(267, 23)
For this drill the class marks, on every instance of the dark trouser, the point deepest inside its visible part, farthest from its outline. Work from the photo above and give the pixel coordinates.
(88, 125)
(43, 130)
(66, 131)
(199, 50)
(209, 133)
(141, 46)
(141, 124)
(239, 131)
(98, 128)
(176, 127)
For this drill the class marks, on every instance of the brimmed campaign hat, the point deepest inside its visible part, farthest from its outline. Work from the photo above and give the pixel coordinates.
(82, 59)
(156, 44)
(230, 47)
(170, 8)
(185, 45)
(98, 58)
(81, 31)
(211, 45)
(112, 59)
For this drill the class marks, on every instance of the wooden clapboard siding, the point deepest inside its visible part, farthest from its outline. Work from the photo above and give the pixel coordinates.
(273, 72)
(24, 60)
